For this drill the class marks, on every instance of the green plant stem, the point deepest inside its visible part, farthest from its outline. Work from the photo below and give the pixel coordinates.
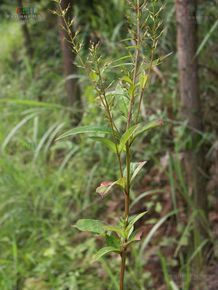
(127, 192)
(122, 269)
(119, 161)
(143, 89)
(104, 101)
(149, 72)
(126, 216)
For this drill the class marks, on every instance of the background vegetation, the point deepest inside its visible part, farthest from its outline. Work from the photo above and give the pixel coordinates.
(45, 186)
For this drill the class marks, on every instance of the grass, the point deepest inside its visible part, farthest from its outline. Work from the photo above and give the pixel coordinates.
(38, 200)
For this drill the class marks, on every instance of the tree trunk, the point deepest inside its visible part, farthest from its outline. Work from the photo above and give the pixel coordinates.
(25, 30)
(190, 101)
(72, 87)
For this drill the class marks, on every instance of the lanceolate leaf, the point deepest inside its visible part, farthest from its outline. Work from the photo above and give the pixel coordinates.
(127, 79)
(135, 168)
(89, 225)
(154, 229)
(206, 38)
(146, 127)
(112, 241)
(158, 60)
(131, 89)
(134, 237)
(93, 76)
(126, 137)
(85, 129)
(139, 166)
(121, 182)
(104, 251)
(33, 103)
(135, 218)
(107, 142)
(143, 80)
(115, 229)
(15, 129)
(105, 187)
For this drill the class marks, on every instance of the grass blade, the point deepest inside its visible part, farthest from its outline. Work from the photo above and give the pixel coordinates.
(206, 38)
(154, 229)
(15, 129)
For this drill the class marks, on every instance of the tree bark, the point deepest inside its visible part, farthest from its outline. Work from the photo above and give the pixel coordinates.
(190, 101)
(25, 31)
(72, 87)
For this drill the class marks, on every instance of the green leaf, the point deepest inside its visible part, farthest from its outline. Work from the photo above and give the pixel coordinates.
(33, 103)
(158, 207)
(105, 187)
(104, 251)
(173, 285)
(154, 229)
(143, 80)
(121, 58)
(131, 90)
(107, 142)
(115, 229)
(151, 125)
(121, 182)
(206, 38)
(158, 60)
(134, 219)
(127, 80)
(138, 167)
(89, 225)
(93, 76)
(144, 194)
(112, 241)
(135, 167)
(129, 231)
(134, 237)
(126, 136)
(85, 129)
(122, 105)
(16, 128)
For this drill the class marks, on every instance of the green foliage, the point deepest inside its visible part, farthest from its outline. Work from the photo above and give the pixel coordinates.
(107, 142)
(85, 129)
(88, 225)
(11, 42)
(103, 251)
(132, 80)
(47, 186)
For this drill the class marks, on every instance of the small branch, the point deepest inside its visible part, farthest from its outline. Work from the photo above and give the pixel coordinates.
(132, 98)
(143, 90)
(154, 43)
